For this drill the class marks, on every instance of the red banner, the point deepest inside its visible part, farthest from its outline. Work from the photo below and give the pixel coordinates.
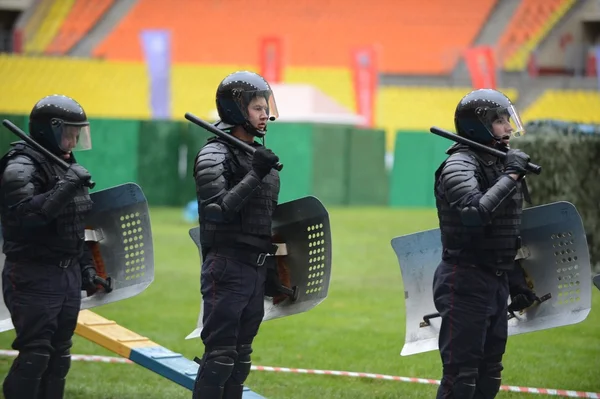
(271, 59)
(364, 74)
(482, 67)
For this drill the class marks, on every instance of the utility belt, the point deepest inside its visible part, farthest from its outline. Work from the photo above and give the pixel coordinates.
(61, 263)
(251, 256)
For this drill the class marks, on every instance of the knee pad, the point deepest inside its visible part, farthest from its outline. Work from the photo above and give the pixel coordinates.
(215, 369)
(31, 365)
(459, 382)
(490, 380)
(59, 365)
(242, 367)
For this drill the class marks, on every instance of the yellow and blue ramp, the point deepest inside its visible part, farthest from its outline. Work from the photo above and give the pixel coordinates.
(141, 350)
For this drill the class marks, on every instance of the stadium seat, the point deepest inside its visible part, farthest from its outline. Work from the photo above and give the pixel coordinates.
(415, 37)
(567, 105)
(532, 21)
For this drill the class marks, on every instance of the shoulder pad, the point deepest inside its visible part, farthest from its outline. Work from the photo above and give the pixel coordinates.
(17, 178)
(459, 177)
(211, 155)
(214, 147)
(462, 160)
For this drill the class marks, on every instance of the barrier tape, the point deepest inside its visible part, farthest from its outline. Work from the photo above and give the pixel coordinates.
(539, 391)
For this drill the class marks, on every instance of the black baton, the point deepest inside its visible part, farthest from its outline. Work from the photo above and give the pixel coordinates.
(227, 137)
(21, 134)
(536, 169)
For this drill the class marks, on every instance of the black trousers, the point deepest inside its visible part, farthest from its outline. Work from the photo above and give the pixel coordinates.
(233, 300)
(472, 302)
(44, 302)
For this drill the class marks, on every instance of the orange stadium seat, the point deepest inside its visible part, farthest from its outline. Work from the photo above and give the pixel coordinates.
(532, 21)
(418, 37)
(82, 17)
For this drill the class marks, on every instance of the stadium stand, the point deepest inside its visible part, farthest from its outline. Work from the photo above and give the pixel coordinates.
(567, 105)
(49, 26)
(81, 18)
(530, 24)
(315, 33)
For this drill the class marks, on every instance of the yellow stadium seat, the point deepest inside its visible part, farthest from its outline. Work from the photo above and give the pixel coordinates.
(418, 108)
(49, 26)
(567, 105)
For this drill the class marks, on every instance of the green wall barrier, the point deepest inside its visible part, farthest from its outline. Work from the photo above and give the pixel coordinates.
(192, 139)
(368, 181)
(341, 165)
(330, 149)
(113, 158)
(158, 161)
(7, 137)
(417, 156)
(293, 144)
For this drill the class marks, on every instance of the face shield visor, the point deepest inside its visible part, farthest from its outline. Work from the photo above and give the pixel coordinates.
(72, 137)
(502, 121)
(254, 103)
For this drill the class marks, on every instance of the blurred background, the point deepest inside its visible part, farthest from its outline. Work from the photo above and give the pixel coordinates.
(358, 85)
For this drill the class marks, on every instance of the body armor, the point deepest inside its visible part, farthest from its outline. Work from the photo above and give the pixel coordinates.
(493, 245)
(62, 237)
(251, 227)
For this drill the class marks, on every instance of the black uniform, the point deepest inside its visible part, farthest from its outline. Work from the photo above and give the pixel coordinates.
(479, 209)
(237, 195)
(42, 208)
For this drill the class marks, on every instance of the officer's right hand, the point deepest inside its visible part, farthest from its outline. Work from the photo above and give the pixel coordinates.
(77, 175)
(516, 162)
(263, 161)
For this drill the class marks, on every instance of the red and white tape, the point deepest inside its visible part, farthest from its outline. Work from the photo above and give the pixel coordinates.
(80, 358)
(540, 391)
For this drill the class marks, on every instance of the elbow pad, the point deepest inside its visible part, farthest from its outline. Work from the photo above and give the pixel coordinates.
(235, 199)
(482, 213)
(497, 195)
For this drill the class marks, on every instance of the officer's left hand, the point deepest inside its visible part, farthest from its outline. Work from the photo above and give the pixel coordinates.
(521, 298)
(87, 278)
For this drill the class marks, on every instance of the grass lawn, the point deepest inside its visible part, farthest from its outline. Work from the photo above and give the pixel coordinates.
(359, 327)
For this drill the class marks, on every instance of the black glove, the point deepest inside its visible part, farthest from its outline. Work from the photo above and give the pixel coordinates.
(77, 175)
(521, 298)
(263, 161)
(516, 162)
(87, 278)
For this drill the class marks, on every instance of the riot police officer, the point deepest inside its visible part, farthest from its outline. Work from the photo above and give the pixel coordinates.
(479, 201)
(237, 194)
(43, 207)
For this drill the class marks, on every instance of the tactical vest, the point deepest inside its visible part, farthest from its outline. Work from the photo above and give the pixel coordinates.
(251, 227)
(494, 245)
(62, 238)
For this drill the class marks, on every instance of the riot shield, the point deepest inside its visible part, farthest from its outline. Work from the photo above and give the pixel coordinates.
(556, 260)
(120, 236)
(301, 228)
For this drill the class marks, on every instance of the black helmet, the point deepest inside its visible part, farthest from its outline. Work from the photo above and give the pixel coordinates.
(234, 95)
(59, 123)
(478, 110)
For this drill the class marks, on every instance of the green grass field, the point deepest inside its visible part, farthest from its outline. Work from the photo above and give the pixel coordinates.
(359, 327)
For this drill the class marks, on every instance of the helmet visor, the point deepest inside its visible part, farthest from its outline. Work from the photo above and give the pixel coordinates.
(74, 137)
(257, 101)
(502, 121)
